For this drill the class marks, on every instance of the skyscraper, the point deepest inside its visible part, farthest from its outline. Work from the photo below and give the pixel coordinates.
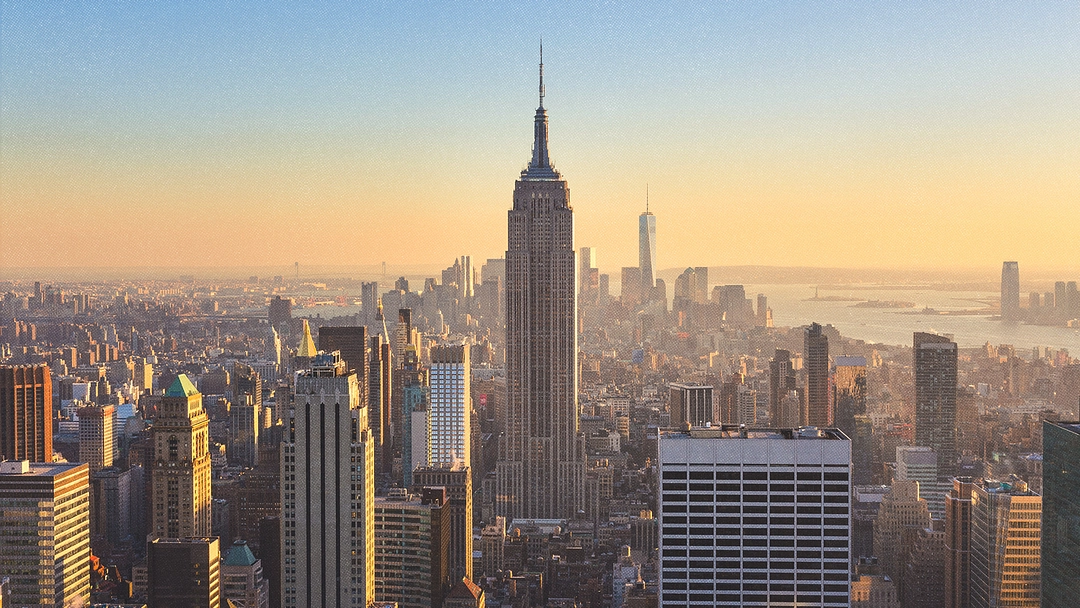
(781, 382)
(849, 392)
(1005, 549)
(184, 572)
(647, 250)
(958, 544)
(26, 413)
(449, 406)
(781, 534)
(1061, 514)
(935, 398)
(328, 492)
(96, 436)
(45, 533)
(1010, 291)
(180, 473)
(412, 538)
(457, 480)
(541, 469)
(818, 407)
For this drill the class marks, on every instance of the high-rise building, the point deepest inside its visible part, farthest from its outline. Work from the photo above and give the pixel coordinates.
(110, 508)
(935, 398)
(352, 342)
(647, 250)
(1010, 291)
(414, 404)
(1005, 547)
(380, 398)
(328, 492)
(754, 517)
(280, 314)
(412, 540)
(1061, 514)
(920, 463)
(96, 430)
(589, 276)
(180, 472)
(183, 572)
(26, 413)
(782, 380)
(691, 403)
(457, 480)
(849, 391)
(449, 406)
(901, 509)
(242, 580)
(958, 544)
(632, 291)
(818, 405)
(45, 533)
(541, 468)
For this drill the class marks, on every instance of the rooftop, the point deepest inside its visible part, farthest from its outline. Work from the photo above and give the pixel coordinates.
(181, 387)
(734, 431)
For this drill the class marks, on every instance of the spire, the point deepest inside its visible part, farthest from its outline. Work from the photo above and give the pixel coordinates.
(646, 197)
(540, 167)
(307, 344)
(541, 72)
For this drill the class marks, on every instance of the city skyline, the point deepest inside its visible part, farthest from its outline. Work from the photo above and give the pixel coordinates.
(886, 127)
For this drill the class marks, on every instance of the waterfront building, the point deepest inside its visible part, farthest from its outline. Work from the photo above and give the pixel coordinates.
(1010, 291)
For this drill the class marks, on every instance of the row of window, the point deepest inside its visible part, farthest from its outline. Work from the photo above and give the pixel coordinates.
(756, 475)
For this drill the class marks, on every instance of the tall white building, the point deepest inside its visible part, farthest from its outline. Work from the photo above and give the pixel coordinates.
(756, 517)
(647, 250)
(449, 406)
(328, 491)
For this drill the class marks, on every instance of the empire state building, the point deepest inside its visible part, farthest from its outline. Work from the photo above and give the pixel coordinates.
(541, 468)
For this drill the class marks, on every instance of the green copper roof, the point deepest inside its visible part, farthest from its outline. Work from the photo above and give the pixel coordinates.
(181, 387)
(239, 555)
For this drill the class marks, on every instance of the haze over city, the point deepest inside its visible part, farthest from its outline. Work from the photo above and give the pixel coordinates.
(781, 134)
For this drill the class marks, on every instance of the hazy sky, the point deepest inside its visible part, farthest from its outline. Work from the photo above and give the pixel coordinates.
(909, 134)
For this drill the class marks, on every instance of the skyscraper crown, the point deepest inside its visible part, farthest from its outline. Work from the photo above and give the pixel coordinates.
(540, 167)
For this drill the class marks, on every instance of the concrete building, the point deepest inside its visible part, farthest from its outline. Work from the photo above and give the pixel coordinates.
(328, 492)
(817, 410)
(180, 472)
(919, 463)
(691, 403)
(449, 406)
(1061, 514)
(96, 436)
(242, 581)
(26, 420)
(935, 398)
(901, 509)
(1006, 520)
(412, 542)
(770, 507)
(456, 479)
(245, 417)
(540, 472)
(183, 572)
(45, 533)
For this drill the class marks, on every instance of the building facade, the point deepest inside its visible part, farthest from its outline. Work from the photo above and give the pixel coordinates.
(449, 406)
(26, 420)
(935, 398)
(328, 492)
(183, 572)
(50, 504)
(1006, 521)
(753, 517)
(691, 403)
(96, 435)
(817, 410)
(540, 472)
(180, 472)
(457, 480)
(411, 546)
(1061, 514)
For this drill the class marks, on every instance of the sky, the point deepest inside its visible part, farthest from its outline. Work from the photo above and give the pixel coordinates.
(902, 135)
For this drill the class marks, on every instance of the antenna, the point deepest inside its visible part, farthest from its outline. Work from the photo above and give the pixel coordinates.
(646, 197)
(541, 72)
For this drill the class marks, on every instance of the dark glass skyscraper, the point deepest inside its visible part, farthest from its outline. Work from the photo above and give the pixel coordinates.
(1061, 514)
(935, 398)
(818, 406)
(541, 466)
